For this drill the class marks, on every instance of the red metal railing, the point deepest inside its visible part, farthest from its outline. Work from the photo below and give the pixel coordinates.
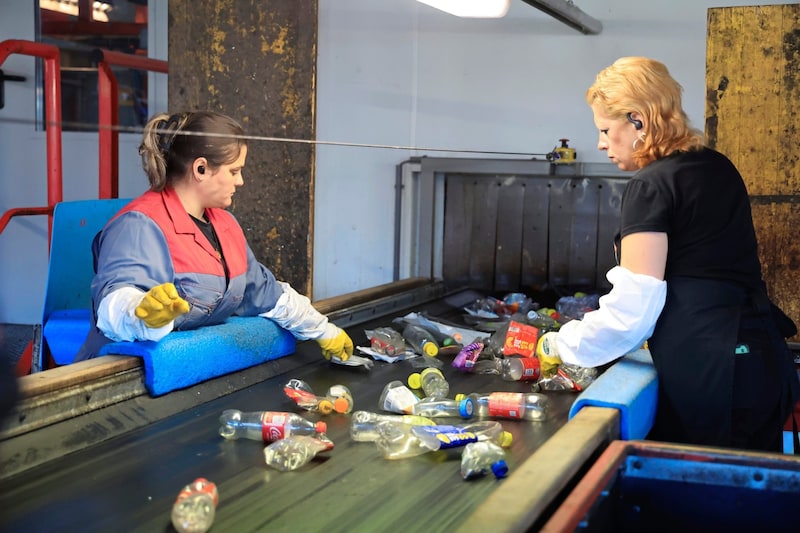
(52, 94)
(108, 112)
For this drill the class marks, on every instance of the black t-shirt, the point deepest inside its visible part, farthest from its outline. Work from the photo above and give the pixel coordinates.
(700, 201)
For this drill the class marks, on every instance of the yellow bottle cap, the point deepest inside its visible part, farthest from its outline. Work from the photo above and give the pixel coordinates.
(325, 407)
(505, 440)
(415, 380)
(431, 349)
(460, 396)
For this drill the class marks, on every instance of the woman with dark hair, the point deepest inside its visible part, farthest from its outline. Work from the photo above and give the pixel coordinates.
(176, 259)
(688, 278)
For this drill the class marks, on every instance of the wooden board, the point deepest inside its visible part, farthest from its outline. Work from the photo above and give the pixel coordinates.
(753, 116)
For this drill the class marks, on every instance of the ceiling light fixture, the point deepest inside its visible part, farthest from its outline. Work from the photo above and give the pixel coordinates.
(569, 14)
(471, 8)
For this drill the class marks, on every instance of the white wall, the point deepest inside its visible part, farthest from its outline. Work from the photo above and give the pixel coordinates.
(390, 72)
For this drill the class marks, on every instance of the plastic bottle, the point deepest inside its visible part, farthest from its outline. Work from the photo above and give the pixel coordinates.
(301, 393)
(520, 368)
(266, 426)
(431, 381)
(480, 458)
(443, 407)
(195, 507)
(513, 405)
(363, 425)
(443, 340)
(386, 341)
(397, 441)
(397, 398)
(489, 430)
(420, 340)
(293, 452)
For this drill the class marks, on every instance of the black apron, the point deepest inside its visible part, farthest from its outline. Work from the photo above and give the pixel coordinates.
(710, 392)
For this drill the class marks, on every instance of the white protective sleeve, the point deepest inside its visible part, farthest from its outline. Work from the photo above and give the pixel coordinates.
(294, 312)
(624, 320)
(117, 320)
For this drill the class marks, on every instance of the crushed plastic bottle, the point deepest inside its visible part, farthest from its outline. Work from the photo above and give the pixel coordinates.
(431, 381)
(480, 458)
(266, 426)
(340, 400)
(489, 430)
(520, 368)
(396, 441)
(386, 341)
(420, 340)
(513, 405)
(364, 424)
(195, 507)
(397, 398)
(293, 452)
(568, 378)
(443, 407)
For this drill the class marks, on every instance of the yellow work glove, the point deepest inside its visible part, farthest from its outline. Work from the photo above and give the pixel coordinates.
(161, 305)
(340, 345)
(547, 352)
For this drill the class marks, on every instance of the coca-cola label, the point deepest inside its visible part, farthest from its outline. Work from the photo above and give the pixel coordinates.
(531, 369)
(521, 339)
(199, 485)
(273, 426)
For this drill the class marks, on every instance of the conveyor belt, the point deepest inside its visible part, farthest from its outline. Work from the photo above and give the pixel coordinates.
(129, 482)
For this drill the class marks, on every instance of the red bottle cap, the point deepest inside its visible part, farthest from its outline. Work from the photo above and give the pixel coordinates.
(322, 427)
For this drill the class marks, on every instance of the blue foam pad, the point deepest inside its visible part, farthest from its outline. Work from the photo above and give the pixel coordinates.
(65, 331)
(630, 385)
(185, 358)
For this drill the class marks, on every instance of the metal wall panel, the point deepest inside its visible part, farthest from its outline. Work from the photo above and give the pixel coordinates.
(509, 225)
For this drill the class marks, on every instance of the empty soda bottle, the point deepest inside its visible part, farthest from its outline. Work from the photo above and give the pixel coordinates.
(266, 426)
(514, 405)
(420, 340)
(397, 441)
(431, 381)
(520, 368)
(195, 506)
(397, 398)
(301, 393)
(443, 407)
(364, 424)
(293, 452)
(386, 341)
(448, 345)
(480, 458)
(489, 430)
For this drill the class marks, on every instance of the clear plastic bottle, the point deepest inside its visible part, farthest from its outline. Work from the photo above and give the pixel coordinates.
(397, 398)
(386, 341)
(513, 405)
(443, 407)
(480, 458)
(397, 441)
(431, 381)
(293, 452)
(420, 340)
(489, 430)
(266, 426)
(364, 424)
(301, 393)
(195, 507)
(520, 368)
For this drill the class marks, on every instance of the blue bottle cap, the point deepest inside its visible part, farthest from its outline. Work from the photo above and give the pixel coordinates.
(466, 407)
(500, 469)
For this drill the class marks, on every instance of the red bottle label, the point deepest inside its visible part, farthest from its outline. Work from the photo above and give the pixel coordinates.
(521, 339)
(505, 404)
(530, 368)
(273, 426)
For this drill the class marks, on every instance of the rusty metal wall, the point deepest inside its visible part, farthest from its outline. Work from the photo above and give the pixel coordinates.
(753, 116)
(255, 61)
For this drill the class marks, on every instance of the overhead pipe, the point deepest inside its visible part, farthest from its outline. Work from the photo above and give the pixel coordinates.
(568, 13)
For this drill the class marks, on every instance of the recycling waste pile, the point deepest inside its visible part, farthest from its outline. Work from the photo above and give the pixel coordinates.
(420, 415)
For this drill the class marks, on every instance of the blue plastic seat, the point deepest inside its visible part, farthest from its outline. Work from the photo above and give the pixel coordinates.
(68, 299)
